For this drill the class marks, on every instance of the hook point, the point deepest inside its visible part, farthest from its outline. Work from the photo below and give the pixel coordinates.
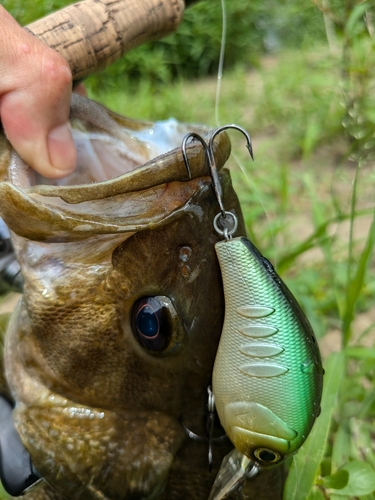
(250, 149)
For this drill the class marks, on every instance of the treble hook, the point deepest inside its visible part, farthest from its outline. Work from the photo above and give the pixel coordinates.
(211, 165)
(192, 135)
(236, 127)
(209, 151)
(210, 424)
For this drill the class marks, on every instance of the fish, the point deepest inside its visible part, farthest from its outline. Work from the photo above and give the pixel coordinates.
(109, 353)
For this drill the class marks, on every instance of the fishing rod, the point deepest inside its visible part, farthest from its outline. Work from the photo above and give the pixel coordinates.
(92, 35)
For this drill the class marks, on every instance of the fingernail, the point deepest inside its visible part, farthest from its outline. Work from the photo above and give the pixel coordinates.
(61, 148)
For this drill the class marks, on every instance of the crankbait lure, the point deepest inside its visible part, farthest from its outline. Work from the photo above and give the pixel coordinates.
(267, 377)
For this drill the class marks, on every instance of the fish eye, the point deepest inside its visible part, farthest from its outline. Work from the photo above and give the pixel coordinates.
(152, 323)
(266, 457)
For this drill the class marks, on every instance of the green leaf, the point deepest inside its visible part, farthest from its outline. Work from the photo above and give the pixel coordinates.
(360, 352)
(311, 241)
(355, 285)
(316, 494)
(336, 481)
(341, 447)
(361, 479)
(306, 464)
(351, 25)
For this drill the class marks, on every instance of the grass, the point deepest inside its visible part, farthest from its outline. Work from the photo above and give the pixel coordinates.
(311, 211)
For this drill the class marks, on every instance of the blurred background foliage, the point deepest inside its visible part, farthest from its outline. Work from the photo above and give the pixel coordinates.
(253, 28)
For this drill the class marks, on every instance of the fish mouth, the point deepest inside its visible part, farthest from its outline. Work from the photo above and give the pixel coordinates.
(119, 185)
(116, 155)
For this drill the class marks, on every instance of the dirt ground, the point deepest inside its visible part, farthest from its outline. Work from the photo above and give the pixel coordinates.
(9, 302)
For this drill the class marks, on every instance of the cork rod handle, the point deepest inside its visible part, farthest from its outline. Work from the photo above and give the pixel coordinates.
(93, 34)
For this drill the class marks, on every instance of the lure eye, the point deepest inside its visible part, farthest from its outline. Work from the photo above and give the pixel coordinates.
(152, 323)
(266, 457)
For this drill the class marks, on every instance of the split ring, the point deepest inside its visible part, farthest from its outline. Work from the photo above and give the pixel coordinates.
(229, 220)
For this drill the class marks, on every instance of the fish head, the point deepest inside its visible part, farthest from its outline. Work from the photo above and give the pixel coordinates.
(110, 352)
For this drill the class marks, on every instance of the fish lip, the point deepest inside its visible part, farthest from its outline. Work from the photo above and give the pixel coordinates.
(168, 166)
(153, 173)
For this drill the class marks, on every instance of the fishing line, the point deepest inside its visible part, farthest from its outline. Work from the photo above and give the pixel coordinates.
(220, 72)
(221, 62)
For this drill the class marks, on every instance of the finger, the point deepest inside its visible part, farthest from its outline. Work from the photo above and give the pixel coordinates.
(35, 92)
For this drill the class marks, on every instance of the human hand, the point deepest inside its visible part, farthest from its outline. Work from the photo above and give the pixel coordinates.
(35, 92)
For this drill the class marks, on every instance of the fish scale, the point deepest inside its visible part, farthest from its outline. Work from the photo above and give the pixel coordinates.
(267, 378)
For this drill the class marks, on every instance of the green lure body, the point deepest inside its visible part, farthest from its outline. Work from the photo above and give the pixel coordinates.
(267, 378)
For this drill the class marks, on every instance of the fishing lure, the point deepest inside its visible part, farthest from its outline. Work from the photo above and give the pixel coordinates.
(267, 377)
(267, 372)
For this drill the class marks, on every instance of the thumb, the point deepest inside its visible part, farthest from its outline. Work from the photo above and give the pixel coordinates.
(35, 92)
